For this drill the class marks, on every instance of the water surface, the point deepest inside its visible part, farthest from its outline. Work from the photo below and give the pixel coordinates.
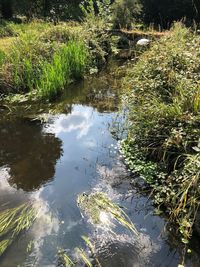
(76, 151)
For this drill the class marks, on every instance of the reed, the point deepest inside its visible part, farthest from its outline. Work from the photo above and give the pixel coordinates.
(68, 63)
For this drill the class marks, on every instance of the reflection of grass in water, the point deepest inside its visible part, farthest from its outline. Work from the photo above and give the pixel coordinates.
(94, 204)
(13, 222)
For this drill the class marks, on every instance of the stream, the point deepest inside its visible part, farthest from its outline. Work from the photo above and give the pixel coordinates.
(72, 151)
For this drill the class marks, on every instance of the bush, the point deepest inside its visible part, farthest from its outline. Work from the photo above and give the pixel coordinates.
(125, 13)
(164, 106)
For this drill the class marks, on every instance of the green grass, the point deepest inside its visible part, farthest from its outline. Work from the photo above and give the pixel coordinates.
(68, 63)
(13, 222)
(97, 204)
(33, 64)
(43, 58)
(163, 97)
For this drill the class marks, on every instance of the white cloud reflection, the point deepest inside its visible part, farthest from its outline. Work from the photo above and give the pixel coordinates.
(47, 223)
(78, 120)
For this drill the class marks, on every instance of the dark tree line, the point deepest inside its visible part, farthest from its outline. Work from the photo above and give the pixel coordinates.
(64, 9)
(159, 12)
(165, 12)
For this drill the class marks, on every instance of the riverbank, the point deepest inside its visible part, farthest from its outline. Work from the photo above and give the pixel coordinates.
(163, 145)
(41, 58)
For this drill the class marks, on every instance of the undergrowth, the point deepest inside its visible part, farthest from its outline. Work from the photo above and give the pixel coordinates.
(43, 58)
(163, 97)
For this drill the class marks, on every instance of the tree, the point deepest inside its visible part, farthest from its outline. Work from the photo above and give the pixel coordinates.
(126, 12)
(165, 12)
(6, 8)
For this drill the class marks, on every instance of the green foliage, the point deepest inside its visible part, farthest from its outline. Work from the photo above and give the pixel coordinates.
(2, 57)
(164, 13)
(27, 54)
(69, 62)
(6, 29)
(62, 33)
(125, 13)
(164, 111)
(44, 58)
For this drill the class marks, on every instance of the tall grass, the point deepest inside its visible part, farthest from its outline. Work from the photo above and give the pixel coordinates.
(163, 97)
(45, 67)
(68, 63)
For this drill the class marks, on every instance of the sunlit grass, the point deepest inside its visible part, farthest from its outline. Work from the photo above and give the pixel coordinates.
(65, 259)
(13, 222)
(163, 98)
(83, 256)
(94, 204)
(68, 63)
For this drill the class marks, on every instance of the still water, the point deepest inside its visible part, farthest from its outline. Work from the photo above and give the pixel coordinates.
(75, 150)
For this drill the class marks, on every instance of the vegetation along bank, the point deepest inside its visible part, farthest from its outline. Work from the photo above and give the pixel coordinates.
(40, 57)
(163, 145)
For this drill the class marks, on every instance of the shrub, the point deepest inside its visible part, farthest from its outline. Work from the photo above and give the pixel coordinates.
(125, 13)
(164, 107)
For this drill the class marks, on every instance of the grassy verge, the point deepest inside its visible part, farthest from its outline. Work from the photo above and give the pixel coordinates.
(163, 146)
(40, 58)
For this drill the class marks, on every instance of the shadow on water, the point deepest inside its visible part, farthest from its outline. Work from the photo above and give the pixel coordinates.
(74, 151)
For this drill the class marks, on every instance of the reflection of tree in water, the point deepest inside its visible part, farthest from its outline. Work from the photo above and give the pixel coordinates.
(30, 154)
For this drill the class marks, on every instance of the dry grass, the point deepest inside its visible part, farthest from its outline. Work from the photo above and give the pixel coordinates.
(6, 43)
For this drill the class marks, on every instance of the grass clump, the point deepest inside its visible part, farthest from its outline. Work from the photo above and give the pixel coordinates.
(163, 96)
(97, 206)
(68, 63)
(43, 58)
(42, 66)
(13, 222)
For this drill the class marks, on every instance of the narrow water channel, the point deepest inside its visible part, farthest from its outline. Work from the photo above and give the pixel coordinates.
(74, 151)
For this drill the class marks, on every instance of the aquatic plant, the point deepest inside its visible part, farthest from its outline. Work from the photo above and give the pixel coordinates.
(65, 259)
(92, 249)
(14, 221)
(68, 63)
(97, 206)
(83, 256)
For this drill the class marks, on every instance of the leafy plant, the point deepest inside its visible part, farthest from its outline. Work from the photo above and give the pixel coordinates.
(164, 119)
